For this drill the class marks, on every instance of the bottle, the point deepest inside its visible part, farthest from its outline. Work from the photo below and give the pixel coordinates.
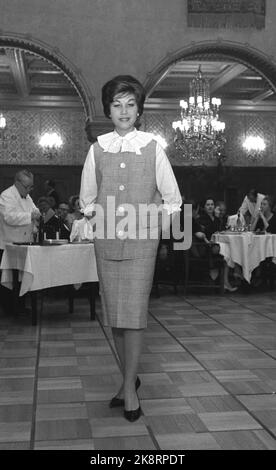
(41, 230)
(59, 229)
(239, 222)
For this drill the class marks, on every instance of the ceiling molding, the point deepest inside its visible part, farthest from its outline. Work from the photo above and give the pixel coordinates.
(53, 55)
(19, 71)
(10, 101)
(262, 96)
(233, 71)
(160, 105)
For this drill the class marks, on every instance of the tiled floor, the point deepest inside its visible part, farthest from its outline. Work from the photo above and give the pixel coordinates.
(208, 373)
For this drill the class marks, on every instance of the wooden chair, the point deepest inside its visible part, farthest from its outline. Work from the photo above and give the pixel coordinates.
(198, 261)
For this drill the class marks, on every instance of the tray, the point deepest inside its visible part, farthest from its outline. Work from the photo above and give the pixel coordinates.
(51, 241)
(25, 243)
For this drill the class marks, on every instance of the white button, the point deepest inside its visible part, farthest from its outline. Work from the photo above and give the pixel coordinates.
(121, 187)
(120, 233)
(121, 209)
(122, 165)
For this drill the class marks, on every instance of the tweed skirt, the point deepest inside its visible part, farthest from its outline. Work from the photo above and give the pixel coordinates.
(125, 287)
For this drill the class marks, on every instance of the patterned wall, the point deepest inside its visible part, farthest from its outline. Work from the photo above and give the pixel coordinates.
(238, 126)
(24, 128)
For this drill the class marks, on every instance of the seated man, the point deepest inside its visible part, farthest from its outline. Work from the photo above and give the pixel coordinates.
(63, 211)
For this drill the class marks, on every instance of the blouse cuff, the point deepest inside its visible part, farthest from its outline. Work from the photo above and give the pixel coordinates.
(88, 210)
(171, 208)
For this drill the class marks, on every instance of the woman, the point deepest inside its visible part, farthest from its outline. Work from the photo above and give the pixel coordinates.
(211, 224)
(208, 220)
(265, 219)
(51, 222)
(75, 213)
(123, 167)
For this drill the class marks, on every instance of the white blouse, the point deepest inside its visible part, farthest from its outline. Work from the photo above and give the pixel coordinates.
(131, 142)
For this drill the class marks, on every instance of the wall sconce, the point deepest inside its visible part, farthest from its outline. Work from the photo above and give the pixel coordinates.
(254, 146)
(51, 142)
(3, 124)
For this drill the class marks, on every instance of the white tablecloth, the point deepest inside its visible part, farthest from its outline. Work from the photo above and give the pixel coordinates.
(246, 249)
(41, 267)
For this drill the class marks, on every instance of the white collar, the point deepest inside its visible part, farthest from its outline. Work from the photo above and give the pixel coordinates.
(131, 142)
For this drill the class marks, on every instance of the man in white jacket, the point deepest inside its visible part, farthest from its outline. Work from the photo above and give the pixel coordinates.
(18, 212)
(251, 204)
(18, 215)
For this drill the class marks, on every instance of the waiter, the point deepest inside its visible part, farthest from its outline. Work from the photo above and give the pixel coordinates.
(18, 215)
(251, 204)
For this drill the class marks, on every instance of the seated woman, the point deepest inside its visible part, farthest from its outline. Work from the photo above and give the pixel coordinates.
(208, 220)
(51, 222)
(210, 224)
(265, 219)
(75, 213)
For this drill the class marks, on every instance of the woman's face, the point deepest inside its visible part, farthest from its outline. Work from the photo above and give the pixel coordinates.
(217, 211)
(77, 205)
(265, 207)
(123, 112)
(209, 206)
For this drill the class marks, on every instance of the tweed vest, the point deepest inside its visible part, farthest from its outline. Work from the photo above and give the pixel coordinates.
(129, 179)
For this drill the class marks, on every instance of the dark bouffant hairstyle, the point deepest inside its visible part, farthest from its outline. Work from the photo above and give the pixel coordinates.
(252, 192)
(123, 84)
(270, 201)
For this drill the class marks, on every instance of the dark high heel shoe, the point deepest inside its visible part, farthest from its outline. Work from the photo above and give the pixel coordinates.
(133, 415)
(115, 402)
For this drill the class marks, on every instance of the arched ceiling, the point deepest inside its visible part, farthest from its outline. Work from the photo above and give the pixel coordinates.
(238, 86)
(27, 79)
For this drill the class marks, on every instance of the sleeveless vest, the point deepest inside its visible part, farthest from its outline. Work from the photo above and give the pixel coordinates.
(126, 178)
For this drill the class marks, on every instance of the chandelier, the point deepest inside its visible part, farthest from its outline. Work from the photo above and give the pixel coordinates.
(50, 142)
(199, 134)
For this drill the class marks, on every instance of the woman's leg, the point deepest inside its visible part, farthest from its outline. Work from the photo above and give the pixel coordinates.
(133, 348)
(227, 284)
(119, 341)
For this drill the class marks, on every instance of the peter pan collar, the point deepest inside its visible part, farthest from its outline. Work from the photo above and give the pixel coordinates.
(131, 142)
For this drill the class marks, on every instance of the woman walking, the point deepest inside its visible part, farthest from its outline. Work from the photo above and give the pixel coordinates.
(129, 167)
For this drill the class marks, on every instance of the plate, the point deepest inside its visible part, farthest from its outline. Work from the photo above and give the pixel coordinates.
(50, 241)
(81, 242)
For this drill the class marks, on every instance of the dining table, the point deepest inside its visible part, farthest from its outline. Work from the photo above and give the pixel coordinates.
(246, 248)
(33, 268)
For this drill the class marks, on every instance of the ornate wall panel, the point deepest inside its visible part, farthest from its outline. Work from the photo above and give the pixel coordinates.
(238, 126)
(24, 128)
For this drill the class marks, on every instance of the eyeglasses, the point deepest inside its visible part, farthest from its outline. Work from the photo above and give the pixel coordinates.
(28, 187)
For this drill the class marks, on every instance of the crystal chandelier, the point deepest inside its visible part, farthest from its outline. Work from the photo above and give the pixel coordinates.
(199, 134)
